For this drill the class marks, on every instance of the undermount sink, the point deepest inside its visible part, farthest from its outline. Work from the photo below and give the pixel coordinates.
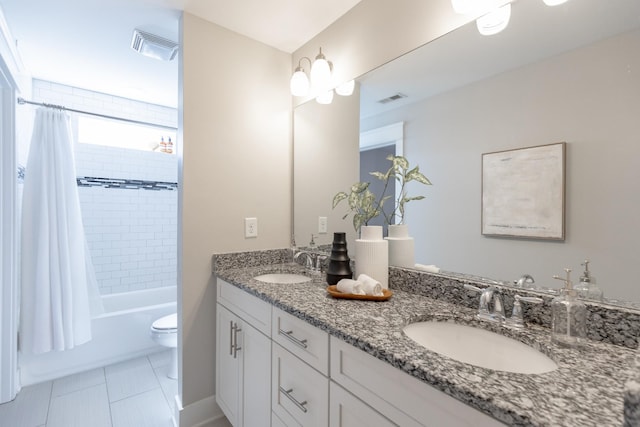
(283, 278)
(479, 347)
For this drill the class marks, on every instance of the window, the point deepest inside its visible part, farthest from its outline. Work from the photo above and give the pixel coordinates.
(114, 133)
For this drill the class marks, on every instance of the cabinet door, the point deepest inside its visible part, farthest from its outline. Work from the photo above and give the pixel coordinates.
(227, 366)
(256, 377)
(346, 410)
(300, 394)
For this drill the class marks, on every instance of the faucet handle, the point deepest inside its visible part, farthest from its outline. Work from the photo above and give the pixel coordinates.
(517, 318)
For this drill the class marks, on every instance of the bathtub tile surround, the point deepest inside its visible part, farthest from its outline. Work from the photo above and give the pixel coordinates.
(132, 236)
(586, 390)
(84, 399)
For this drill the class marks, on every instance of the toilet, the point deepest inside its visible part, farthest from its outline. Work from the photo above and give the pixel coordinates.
(164, 331)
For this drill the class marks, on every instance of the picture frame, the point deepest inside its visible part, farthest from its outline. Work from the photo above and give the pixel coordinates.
(523, 192)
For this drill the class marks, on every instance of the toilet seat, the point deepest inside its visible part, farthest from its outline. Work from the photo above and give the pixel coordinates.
(166, 325)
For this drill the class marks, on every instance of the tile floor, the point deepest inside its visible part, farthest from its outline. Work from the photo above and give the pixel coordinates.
(134, 393)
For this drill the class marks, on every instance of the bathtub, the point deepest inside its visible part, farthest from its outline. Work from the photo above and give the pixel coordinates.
(120, 333)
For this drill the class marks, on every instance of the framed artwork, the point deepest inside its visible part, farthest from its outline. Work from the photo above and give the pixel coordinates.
(523, 192)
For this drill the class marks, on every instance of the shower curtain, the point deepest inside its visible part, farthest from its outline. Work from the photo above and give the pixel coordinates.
(55, 310)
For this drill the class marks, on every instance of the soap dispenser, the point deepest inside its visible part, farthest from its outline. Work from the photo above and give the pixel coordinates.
(568, 315)
(587, 287)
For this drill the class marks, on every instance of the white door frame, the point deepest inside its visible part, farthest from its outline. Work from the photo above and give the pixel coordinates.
(10, 69)
(384, 136)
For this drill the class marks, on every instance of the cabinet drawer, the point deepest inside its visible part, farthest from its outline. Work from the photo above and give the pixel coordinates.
(403, 399)
(300, 394)
(248, 307)
(300, 338)
(346, 410)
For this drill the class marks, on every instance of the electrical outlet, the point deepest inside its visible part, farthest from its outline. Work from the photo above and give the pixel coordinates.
(251, 227)
(322, 225)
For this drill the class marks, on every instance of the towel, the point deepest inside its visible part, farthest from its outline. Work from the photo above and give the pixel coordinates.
(427, 268)
(349, 286)
(370, 285)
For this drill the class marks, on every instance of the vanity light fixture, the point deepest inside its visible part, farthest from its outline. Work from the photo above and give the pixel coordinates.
(494, 21)
(299, 83)
(319, 79)
(325, 97)
(554, 2)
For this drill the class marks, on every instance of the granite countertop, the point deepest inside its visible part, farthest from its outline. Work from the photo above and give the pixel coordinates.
(586, 389)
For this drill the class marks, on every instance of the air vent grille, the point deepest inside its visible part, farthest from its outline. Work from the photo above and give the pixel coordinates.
(154, 46)
(392, 98)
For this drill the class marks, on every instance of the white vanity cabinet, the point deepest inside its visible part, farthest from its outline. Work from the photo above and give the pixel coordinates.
(243, 362)
(274, 369)
(395, 395)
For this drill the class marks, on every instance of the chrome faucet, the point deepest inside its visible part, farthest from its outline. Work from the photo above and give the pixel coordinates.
(525, 279)
(487, 296)
(313, 262)
(309, 259)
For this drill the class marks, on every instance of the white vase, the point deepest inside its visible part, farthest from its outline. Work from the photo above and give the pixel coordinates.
(401, 246)
(372, 254)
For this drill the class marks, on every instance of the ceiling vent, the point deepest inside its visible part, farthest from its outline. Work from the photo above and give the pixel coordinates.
(153, 46)
(392, 98)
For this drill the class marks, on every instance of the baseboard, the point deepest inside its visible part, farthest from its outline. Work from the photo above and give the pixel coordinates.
(203, 413)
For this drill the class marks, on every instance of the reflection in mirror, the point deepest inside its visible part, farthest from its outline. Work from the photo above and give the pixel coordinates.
(569, 73)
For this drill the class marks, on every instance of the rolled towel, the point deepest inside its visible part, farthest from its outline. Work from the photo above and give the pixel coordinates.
(370, 285)
(349, 286)
(427, 268)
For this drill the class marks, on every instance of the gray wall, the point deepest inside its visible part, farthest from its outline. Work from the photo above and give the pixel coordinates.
(588, 98)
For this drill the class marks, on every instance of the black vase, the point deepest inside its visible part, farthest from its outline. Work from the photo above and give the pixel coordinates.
(339, 263)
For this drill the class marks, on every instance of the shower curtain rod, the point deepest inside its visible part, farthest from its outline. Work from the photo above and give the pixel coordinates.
(22, 101)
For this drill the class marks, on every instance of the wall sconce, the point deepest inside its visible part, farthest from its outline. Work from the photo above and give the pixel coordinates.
(320, 80)
(498, 15)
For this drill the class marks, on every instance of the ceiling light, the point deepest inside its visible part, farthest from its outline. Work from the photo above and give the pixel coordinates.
(346, 89)
(153, 46)
(495, 21)
(554, 2)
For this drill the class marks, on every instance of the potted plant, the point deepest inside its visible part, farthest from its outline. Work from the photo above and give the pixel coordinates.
(364, 205)
(373, 253)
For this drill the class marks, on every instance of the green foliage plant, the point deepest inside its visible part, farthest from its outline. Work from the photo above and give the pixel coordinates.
(363, 204)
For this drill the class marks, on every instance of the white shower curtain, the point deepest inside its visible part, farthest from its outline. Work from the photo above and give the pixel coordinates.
(55, 311)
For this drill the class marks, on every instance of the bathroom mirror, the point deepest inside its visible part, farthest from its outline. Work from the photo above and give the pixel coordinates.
(569, 73)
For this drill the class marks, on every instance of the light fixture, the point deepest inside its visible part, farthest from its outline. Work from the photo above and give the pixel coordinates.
(321, 72)
(299, 83)
(554, 2)
(153, 46)
(494, 21)
(325, 97)
(346, 89)
(319, 81)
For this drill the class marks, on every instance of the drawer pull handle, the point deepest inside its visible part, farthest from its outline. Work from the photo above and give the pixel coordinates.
(300, 405)
(296, 341)
(234, 346)
(230, 337)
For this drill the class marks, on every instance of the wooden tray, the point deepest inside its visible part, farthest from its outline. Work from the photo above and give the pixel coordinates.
(334, 292)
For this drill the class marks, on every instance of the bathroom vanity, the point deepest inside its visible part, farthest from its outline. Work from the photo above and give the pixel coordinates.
(293, 354)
